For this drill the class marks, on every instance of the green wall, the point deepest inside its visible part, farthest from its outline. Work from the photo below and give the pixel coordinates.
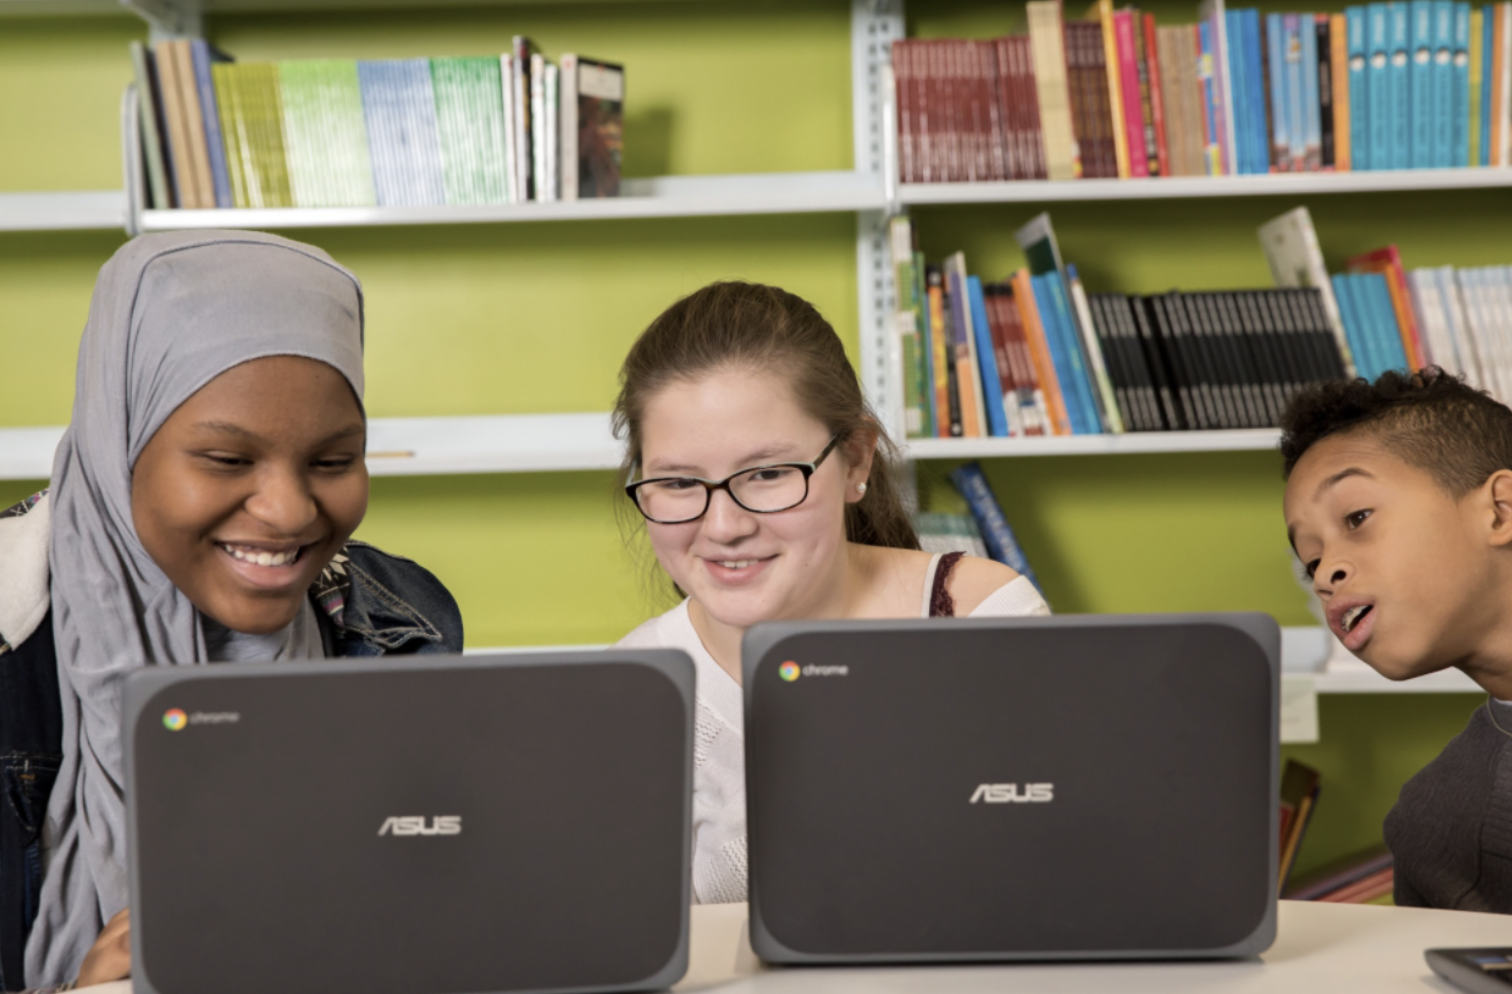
(535, 317)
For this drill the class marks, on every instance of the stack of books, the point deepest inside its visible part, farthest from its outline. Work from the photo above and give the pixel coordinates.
(347, 133)
(1402, 85)
(1364, 877)
(1037, 355)
(984, 532)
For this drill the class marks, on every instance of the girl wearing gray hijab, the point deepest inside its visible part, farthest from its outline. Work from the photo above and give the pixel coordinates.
(200, 510)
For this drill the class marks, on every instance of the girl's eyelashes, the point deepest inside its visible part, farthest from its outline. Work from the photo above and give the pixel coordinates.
(1355, 519)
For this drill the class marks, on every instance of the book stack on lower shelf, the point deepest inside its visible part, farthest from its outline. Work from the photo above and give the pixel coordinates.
(1400, 85)
(1036, 355)
(355, 133)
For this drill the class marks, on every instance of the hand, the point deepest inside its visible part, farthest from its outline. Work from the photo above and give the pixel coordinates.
(110, 957)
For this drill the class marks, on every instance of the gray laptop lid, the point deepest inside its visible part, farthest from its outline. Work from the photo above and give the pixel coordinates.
(440, 824)
(1027, 788)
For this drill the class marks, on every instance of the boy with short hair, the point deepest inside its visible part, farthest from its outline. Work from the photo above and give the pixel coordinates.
(1399, 503)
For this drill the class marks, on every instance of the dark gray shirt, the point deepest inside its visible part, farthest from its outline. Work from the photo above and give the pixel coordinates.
(1450, 833)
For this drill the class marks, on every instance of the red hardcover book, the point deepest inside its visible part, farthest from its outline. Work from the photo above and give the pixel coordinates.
(1388, 261)
(903, 101)
(1007, 108)
(1157, 102)
(997, 151)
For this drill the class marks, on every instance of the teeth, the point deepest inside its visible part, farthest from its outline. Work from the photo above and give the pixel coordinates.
(262, 558)
(1353, 616)
(737, 563)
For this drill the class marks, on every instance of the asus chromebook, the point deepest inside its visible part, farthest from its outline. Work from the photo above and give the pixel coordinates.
(436, 825)
(1031, 788)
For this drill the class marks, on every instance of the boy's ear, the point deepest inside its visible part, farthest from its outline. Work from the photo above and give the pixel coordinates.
(1499, 489)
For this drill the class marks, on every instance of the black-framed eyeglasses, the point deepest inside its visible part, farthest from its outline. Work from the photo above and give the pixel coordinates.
(676, 500)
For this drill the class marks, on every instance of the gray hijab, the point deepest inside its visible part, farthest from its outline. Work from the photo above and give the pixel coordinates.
(170, 313)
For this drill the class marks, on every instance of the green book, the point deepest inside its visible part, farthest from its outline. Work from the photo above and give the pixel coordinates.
(324, 133)
(470, 122)
(233, 129)
(152, 139)
(265, 169)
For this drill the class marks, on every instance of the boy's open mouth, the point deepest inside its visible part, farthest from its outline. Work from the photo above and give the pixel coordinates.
(1354, 615)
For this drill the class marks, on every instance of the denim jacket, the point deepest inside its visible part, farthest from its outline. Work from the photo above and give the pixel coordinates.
(369, 603)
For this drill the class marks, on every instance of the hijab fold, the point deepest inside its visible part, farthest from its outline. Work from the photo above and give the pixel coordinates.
(170, 313)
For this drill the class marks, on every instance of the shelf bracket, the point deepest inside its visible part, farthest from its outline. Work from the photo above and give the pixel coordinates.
(168, 19)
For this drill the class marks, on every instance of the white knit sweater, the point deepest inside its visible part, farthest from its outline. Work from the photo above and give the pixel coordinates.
(719, 822)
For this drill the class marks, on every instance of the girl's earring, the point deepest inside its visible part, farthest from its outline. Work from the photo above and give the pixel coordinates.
(860, 488)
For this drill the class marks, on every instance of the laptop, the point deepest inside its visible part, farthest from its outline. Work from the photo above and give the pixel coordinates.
(433, 824)
(1094, 787)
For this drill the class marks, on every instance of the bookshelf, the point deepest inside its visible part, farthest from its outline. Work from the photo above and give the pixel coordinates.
(84, 210)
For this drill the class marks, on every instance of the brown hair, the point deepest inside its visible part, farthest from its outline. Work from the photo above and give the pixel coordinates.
(737, 325)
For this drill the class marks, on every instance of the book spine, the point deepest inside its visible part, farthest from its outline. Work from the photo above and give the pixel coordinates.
(1223, 98)
(1324, 48)
(1128, 78)
(1107, 403)
(986, 357)
(1106, 21)
(1420, 83)
(1002, 543)
(1457, 78)
(1143, 57)
(194, 124)
(1475, 107)
(185, 195)
(215, 146)
(1045, 34)
(1341, 75)
(1312, 127)
(945, 425)
(968, 376)
(1276, 56)
(1037, 338)
(1382, 111)
(1010, 398)
(158, 181)
(1445, 123)
(521, 91)
(1399, 92)
(1234, 73)
(1359, 107)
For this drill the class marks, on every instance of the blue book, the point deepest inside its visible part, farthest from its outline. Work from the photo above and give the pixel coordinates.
(1002, 544)
(1399, 85)
(399, 109)
(1279, 149)
(1255, 87)
(1296, 124)
(1370, 323)
(1207, 56)
(1344, 294)
(1312, 125)
(1488, 48)
(1388, 334)
(1359, 106)
(1060, 357)
(1442, 113)
(1235, 33)
(1420, 80)
(1459, 89)
(203, 57)
(1081, 365)
(992, 384)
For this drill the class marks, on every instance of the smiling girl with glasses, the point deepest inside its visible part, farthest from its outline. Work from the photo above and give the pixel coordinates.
(769, 491)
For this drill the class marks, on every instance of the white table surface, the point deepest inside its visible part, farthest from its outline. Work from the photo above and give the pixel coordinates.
(1322, 948)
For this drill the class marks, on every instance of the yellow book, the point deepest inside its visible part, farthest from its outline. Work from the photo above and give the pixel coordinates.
(1477, 76)
(1338, 45)
(1102, 12)
(1047, 42)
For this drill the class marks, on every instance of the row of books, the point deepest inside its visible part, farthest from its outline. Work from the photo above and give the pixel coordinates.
(1357, 878)
(1038, 355)
(1401, 85)
(1459, 319)
(514, 128)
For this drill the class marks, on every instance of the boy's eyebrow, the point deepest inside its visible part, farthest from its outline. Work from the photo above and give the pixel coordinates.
(1343, 474)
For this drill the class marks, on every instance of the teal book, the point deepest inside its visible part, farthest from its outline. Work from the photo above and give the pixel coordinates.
(1399, 85)
(1488, 40)
(1420, 83)
(1344, 294)
(1388, 334)
(992, 384)
(1378, 48)
(1275, 45)
(1442, 111)
(1456, 104)
(1359, 103)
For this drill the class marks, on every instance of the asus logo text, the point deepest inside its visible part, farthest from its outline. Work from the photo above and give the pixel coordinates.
(1012, 793)
(416, 825)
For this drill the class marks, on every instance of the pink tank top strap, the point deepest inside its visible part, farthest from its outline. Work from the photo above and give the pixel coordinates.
(941, 604)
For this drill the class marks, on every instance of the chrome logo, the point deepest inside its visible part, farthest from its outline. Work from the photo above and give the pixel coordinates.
(788, 671)
(174, 720)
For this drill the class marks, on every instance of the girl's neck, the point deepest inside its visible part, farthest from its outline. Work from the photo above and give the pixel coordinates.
(842, 590)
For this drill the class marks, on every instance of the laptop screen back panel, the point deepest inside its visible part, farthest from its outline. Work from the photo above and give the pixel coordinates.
(445, 829)
(1026, 789)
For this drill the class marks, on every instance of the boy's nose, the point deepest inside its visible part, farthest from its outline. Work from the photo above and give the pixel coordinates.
(1330, 576)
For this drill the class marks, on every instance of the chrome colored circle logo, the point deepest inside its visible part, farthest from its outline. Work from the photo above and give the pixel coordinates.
(174, 720)
(788, 671)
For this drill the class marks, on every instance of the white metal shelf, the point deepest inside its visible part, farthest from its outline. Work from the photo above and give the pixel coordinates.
(1241, 440)
(87, 210)
(509, 443)
(665, 196)
(1180, 187)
